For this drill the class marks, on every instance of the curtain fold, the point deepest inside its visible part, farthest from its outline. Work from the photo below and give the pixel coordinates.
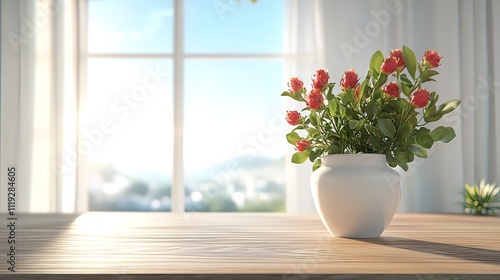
(304, 41)
(39, 39)
(466, 34)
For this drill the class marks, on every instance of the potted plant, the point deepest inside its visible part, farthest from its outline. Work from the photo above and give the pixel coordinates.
(357, 134)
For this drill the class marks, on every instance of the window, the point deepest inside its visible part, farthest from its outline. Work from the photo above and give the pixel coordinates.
(223, 148)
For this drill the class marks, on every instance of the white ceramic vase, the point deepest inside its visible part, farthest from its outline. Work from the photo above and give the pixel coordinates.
(356, 195)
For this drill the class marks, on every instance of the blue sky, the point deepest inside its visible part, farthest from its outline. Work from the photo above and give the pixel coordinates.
(226, 100)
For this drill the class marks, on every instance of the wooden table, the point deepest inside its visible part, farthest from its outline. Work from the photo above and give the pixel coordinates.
(133, 246)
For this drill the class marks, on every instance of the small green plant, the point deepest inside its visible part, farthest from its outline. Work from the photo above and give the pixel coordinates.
(481, 200)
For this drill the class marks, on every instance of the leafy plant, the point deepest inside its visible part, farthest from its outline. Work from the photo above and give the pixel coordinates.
(482, 199)
(386, 113)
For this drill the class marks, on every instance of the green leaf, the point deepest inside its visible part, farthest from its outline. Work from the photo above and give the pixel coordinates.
(409, 154)
(403, 104)
(293, 137)
(387, 127)
(399, 153)
(404, 80)
(381, 80)
(334, 149)
(414, 120)
(296, 95)
(443, 134)
(424, 139)
(406, 90)
(300, 157)
(448, 107)
(420, 69)
(314, 154)
(356, 125)
(401, 159)
(433, 98)
(333, 105)
(374, 142)
(371, 109)
(353, 124)
(429, 113)
(390, 160)
(375, 63)
(313, 117)
(410, 61)
(385, 145)
(312, 131)
(360, 125)
(378, 93)
(405, 130)
(362, 89)
(418, 151)
(342, 110)
(347, 97)
(425, 76)
(329, 94)
(316, 164)
(373, 129)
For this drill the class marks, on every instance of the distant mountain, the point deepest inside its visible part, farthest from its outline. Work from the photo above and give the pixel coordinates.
(244, 164)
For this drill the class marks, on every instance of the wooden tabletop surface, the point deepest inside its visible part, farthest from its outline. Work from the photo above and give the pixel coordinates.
(125, 246)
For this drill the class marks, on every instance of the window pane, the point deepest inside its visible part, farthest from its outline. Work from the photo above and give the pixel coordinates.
(231, 26)
(234, 135)
(130, 26)
(126, 134)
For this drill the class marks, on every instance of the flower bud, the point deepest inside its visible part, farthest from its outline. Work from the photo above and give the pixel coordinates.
(431, 59)
(398, 54)
(293, 117)
(389, 65)
(315, 99)
(295, 85)
(320, 79)
(349, 80)
(302, 145)
(419, 98)
(392, 90)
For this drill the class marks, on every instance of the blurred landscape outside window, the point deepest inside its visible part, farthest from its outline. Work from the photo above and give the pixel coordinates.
(233, 129)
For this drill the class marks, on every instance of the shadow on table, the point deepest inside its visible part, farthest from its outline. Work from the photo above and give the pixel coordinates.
(436, 248)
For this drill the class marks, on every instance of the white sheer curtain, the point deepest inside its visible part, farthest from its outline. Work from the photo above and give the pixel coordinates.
(467, 34)
(38, 102)
(304, 41)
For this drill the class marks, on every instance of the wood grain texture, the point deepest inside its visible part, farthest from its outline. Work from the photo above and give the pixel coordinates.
(123, 246)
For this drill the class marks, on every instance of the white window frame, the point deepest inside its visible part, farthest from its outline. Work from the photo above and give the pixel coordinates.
(178, 57)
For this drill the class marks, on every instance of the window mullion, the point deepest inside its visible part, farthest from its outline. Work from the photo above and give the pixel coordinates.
(178, 110)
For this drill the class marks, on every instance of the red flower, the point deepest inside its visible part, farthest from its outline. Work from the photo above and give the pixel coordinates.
(320, 79)
(392, 90)
(315, 99)
(389, 65)
(295, 85)
(293, 117)
(431, 59)
(302, 145)
(349, 80)
(398, 54)
(419, 98)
